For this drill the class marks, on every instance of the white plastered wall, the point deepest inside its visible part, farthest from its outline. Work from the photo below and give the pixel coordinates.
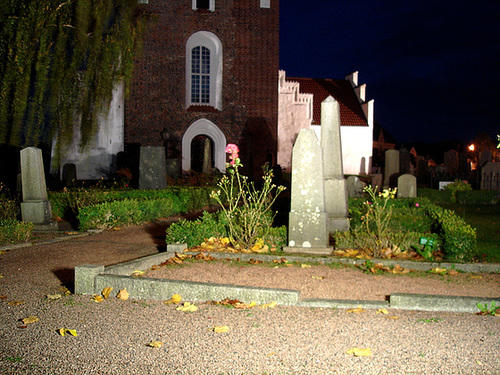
(97, 159)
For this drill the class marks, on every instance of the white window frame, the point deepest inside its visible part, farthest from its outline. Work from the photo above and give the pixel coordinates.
(211, 5)
(204, 126)
(213, 44)
(265, 4)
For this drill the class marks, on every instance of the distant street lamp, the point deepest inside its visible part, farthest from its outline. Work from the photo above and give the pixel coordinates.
(472, 147)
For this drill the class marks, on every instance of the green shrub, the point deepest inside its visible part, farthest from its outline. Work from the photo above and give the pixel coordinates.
(68, 203)
(9, 209)
(126, 212)
(455, 187)
(458, 238)
(13, 231)
(194, 232)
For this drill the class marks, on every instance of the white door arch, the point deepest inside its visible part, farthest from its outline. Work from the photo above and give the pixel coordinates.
(206, 127)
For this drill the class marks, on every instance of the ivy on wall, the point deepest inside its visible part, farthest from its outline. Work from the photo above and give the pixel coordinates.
(59, 63)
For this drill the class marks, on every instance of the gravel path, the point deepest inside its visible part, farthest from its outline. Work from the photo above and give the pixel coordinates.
(112, 335)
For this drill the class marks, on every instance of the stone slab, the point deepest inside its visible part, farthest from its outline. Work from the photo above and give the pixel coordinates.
(159, 289)
(308, 250)
(85, 278)
(342, 303)
(428, 302)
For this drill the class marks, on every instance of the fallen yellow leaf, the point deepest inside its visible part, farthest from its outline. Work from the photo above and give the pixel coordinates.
(187, 307)
(356, 310)
(174, 300)
(475, 276)
(360, 352)
(97, 298)
(106, 291)
(318, 277)
(305, 265)
(382, 311)
(439, 270)
(16, 303)
(221, 329)
(53, 296)
(155, 344)
(268, 305)
(63, 331)
(30, 319)
(123, 294)
(393, 317)
(138, 273)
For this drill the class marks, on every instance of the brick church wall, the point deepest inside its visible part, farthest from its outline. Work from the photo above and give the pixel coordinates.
(250, 41)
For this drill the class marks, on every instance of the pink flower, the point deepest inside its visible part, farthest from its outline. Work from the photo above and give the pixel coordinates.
(231, 148)
(417, 205)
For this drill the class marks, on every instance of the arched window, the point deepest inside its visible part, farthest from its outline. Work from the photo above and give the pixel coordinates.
(204, 70)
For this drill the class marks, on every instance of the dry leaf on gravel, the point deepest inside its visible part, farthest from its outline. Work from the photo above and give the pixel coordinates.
(106, 291)
(221, 329)
(318, 277)
(187, 307)
(174, 300)
(356, 310)
(123, 294)
(63, 331)
(97, 298)
(382, 311)
(16, 303)
(30, 319)
(155, 344)
(305, 265)
(269, 305)
(360, 352)
(439, 270)
(54, 296)
(393, 317)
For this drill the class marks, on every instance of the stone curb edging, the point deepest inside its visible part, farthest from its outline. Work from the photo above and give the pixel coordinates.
(92, 279)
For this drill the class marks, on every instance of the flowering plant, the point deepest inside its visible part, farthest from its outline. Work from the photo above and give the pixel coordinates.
(247, 209)
(376, 218)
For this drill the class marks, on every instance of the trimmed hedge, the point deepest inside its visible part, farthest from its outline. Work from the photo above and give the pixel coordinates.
(458, 237)
(73, 205)
(127, 212)
(409, 222)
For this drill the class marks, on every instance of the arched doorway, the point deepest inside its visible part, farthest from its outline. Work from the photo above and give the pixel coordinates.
(207, 129)
(202, 154)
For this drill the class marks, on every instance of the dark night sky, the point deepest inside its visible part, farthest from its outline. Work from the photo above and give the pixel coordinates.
(431, 66)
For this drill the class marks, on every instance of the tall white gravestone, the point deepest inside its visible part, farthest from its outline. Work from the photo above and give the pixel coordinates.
(334, 183)
(307, 230)
(35, 207)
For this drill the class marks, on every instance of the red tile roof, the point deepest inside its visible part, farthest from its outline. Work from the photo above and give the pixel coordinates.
(351, 113)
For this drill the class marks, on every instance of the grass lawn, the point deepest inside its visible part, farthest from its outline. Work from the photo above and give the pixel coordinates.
(486, 220)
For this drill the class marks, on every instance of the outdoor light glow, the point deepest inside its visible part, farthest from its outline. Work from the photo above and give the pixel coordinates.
(472, 147)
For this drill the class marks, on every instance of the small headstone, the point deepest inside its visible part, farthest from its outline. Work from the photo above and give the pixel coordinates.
(335, 188)
(490, 176)
(35, 207)
(391, 170)
(307, 231)
(152, 168)
(407, 186)
(354, 187)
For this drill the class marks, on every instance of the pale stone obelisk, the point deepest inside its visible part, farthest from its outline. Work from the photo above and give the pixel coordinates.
(335, 187)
